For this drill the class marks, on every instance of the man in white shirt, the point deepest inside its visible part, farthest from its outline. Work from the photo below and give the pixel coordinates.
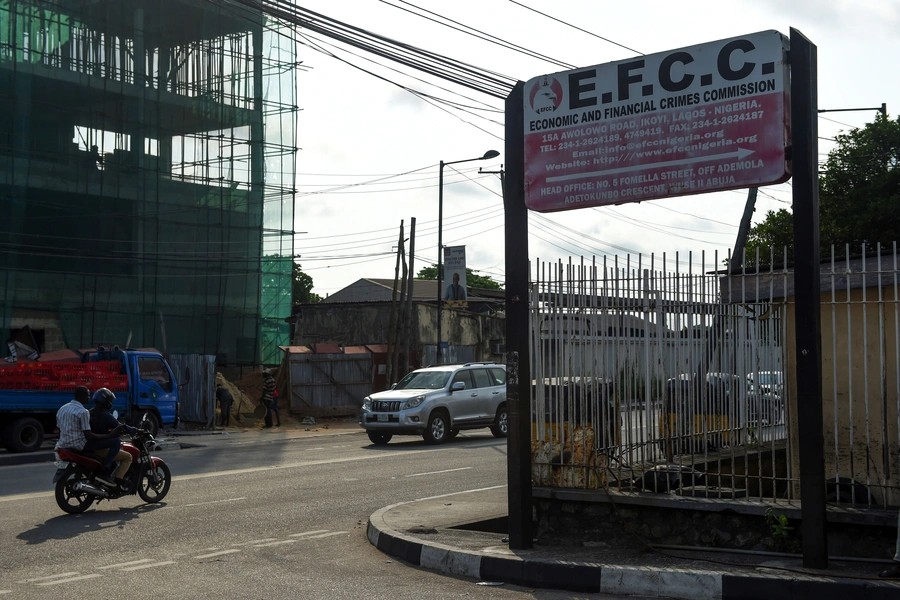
(74, 422)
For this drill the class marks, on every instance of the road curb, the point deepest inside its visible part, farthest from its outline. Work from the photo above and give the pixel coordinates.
(26, 458)
(613, 579)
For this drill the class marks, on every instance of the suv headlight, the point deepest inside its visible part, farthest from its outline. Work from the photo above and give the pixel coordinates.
(414, 402)
(367, 403)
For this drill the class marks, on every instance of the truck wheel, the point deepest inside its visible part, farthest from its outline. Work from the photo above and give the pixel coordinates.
(152, 421)
(23, 435)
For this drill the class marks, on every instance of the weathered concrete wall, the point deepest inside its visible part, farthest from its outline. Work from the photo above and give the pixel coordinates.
(462, 328)
(347, 324)
(616, 524)
(356, 324)
(47, 322)
(859, 388)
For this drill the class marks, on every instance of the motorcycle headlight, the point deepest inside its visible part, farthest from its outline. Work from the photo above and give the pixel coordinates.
(414, 402)
(367, 403)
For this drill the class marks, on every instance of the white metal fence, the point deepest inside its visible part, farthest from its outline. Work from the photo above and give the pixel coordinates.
(673, 375)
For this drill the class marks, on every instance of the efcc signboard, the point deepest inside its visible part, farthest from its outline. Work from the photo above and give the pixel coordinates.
(699, 119)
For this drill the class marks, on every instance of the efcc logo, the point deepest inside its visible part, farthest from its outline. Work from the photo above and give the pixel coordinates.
(546, 95)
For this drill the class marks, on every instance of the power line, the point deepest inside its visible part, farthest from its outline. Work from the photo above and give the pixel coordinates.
(480, 34)
(578, 28)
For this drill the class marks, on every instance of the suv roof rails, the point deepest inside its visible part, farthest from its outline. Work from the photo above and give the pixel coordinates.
(468, 364)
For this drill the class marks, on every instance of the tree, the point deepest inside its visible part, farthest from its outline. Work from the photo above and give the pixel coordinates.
(859, 197)
(472, 279)
(301, 287)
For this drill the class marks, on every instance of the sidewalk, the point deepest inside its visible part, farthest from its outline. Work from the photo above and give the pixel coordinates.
(437, 533)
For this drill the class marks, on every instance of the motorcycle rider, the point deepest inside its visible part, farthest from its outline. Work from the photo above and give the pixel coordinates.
(74, 423)
(103, 421)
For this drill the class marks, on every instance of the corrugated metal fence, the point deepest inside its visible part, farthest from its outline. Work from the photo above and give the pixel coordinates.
(197, 397)
(329, 384)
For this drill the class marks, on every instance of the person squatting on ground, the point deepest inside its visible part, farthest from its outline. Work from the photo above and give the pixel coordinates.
(103, 421)
(225, 400)
(74, 423)
(268, 397)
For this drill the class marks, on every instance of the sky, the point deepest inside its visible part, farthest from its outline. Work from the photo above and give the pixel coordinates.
(370, 149)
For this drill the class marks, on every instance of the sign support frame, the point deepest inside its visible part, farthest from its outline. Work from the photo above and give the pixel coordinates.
(518, 334)
(807, 307)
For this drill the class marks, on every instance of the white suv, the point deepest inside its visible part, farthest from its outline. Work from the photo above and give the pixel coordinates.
(437, 402)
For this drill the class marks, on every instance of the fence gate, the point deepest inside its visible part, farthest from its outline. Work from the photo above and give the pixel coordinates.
(329, 384)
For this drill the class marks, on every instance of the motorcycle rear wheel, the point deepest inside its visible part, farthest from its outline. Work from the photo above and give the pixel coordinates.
(153, 489)
(68, 499)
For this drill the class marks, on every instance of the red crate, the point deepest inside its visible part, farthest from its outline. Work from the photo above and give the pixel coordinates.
(48, 386)
(85, 380)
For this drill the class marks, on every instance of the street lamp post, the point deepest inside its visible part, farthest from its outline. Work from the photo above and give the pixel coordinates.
(440, 300)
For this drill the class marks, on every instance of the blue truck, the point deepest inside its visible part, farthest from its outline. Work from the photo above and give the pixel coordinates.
(145, 385)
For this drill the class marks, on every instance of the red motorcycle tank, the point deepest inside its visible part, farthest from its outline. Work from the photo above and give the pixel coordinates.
(132, 450)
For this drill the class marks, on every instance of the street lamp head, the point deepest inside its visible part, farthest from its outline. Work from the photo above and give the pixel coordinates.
(490, 154)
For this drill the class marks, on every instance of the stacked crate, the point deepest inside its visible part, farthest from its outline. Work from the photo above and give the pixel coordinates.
(63, 376)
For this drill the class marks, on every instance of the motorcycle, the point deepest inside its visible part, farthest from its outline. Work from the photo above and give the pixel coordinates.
(77, 488)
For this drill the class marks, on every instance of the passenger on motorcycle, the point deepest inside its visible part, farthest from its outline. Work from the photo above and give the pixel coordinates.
(74, 423)
(103, 422)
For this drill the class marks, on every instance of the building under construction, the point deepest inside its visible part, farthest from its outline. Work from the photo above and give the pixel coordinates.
(147, 161)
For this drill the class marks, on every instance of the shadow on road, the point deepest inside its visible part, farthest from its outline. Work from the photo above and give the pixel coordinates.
(66, 527)
(408, 442)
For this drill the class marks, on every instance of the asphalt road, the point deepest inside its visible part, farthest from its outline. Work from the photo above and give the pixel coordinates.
(268, 517)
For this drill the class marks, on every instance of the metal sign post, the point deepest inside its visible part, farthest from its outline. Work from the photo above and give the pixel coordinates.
(807, 311)
(518, 373)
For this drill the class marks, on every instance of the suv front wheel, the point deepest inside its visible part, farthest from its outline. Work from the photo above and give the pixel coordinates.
(500, 428)
(378, 438)
(438, 428)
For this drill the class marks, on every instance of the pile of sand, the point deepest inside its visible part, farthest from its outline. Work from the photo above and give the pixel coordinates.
(247, 392)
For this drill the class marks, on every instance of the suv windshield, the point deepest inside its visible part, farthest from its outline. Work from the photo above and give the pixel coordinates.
(424, 380)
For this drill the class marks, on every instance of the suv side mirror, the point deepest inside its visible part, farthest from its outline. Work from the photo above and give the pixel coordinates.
(458, 386)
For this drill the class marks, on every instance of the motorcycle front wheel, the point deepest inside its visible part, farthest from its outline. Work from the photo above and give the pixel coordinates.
(71, 501)
(154, 483)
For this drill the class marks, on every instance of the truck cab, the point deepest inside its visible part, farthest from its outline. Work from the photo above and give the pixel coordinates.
(32, 392)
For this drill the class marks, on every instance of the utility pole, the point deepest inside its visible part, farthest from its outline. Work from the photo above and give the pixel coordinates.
(737, 256)
(393, 318)
(407, 322)
(501, 173)
(400, 312)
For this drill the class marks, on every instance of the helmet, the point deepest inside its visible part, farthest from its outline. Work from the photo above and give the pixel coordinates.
(103, 397)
